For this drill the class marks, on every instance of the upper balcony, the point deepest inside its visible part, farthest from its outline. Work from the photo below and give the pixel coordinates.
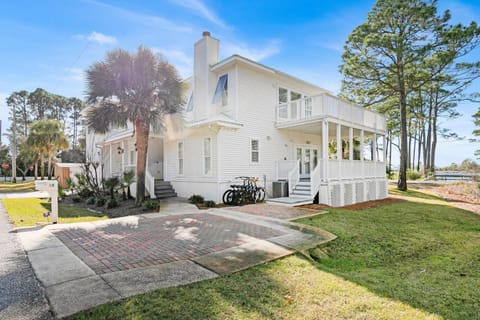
(310, 109)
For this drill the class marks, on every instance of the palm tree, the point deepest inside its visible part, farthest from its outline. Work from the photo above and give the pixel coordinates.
(140, 88)
(46, 137)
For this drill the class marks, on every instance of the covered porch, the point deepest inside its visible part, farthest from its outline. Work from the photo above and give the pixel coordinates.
(119, 155)
(351, 155)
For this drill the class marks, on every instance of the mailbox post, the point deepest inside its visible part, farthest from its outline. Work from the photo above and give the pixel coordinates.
(50, 186)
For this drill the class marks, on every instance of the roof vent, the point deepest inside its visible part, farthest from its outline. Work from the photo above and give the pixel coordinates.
(205, 34)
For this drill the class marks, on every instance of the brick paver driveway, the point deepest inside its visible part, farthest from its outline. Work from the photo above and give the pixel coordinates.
(82, 265)
(148, 242)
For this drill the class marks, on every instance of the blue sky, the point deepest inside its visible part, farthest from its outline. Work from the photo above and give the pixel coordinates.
(50, 43)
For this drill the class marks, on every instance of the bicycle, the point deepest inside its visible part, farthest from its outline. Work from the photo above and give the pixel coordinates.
(248, 191)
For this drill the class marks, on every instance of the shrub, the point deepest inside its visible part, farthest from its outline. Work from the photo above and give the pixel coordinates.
(112, 203)
(413, 175)
(90, 200)
(210, 204)
(112, 185)
(151, 205)
(196, 199)
(100, 202)
(76, 199)
(61, 193)
(85, 193)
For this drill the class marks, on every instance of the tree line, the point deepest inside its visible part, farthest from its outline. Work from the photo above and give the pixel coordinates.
(408, 62)
(37, 131)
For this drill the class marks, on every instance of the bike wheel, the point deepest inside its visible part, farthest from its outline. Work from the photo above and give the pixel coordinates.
(226, 196)
(233, 198)
(260, 194)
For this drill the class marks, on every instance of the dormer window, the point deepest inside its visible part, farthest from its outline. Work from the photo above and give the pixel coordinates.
(190, 103)
(221, 91)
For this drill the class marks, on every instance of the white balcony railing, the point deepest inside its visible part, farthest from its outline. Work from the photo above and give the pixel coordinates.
(328, 106)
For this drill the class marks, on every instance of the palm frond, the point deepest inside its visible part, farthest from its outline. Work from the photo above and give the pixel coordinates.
(105, 115)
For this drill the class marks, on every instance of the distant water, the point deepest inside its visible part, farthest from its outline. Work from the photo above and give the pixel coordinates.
(455, 176)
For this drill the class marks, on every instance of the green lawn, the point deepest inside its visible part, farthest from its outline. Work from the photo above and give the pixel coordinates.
(29, 212)
(407, 260)
(414, 194)
(20, 186)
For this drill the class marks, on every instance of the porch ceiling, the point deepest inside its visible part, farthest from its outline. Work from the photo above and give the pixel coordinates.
(311, 128)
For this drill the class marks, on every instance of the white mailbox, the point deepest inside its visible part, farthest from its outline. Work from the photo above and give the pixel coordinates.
(50, 186)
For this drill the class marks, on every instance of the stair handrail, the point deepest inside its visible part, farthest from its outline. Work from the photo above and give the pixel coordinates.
(315, 179)
(150, 184)
(293, 177)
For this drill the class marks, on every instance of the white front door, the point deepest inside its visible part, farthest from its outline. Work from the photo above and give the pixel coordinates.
(308, 156)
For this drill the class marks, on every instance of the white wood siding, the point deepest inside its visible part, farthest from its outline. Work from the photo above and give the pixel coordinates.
(257, 105)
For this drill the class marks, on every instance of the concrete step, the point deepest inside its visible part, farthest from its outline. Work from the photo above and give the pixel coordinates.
(301, 192)
(166, 195)
(298, 187)
(163, 187)
(162, 183)
(303, 183)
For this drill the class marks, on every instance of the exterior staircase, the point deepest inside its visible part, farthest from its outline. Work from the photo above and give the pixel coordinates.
(164, 189)
(302, 188)
(300, 195)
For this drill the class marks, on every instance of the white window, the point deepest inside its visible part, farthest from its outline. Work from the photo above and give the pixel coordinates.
(190, 103)
(282, 95)
(308, 107)
(254, 151)
(180, 157)
(221, 91)
(207, 156)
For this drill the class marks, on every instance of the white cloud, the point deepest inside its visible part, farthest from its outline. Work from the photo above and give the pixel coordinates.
(149, 20)
(97, 37)
(101, 38)
(256, 54)
(201, 9)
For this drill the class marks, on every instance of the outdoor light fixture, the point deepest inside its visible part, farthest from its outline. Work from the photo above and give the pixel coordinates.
(120, 150)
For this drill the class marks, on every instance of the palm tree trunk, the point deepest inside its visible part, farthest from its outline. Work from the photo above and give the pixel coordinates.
(142, 131)
(42, 165)
(35, 167)
(49, 171)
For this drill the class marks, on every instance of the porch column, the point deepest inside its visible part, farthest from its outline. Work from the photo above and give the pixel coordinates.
(325, 149)
(361, 145)
(374, 147)
(110, 159)
(350, 143)
(361, 154)
(384, 149)
(123, 156)
(339, 142)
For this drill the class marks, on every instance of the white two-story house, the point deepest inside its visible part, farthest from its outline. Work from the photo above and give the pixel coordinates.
(247, 119)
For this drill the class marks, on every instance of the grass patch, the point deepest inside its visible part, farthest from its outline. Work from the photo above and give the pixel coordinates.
(27, 212)
(427, 256)
(260, 293)
(21, 186)
(406, 260)
(414, 194)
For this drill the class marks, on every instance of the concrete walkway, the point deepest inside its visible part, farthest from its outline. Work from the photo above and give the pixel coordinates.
(27, 194)
(21, 296)
(82, 265)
